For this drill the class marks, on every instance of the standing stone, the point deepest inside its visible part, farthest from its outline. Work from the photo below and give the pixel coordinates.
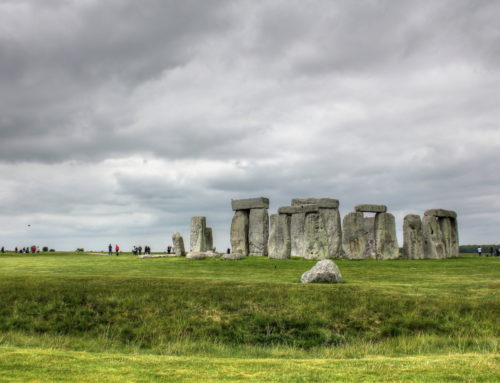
(279, 237)
(197, 238)
(413, 242)
(315, 238)
(353, 239)
(386, 241)
(433, 239)
(239, 232)
(258, 232)
(297, 225)
(178, 244)
(454, 238)
(445, 225)
(330, 223)
(369, 234)
(209, 239)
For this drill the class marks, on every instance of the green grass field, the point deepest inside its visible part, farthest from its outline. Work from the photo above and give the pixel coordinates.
(98, 318)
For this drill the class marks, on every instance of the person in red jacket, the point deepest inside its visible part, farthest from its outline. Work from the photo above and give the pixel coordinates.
(117, 249)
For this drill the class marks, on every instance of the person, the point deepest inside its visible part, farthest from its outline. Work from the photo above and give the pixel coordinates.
(491, 252)
(140, 250)
(168, 249)
(16, 249)
(498, 252)
(228, 251)
(117, 249)
(110, 249)
(33, 249)
(3, 249)
(479, 251)
(134, 250)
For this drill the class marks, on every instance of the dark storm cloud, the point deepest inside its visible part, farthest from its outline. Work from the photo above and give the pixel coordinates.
(127, 118)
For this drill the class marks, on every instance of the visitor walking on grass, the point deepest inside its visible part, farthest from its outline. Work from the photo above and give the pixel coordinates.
(117, 249)
(479, 251)
(110, 249)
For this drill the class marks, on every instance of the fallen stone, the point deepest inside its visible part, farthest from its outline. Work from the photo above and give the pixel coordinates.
(279, 237)
(239, 232)
(367, 208)
(442, 213)
(250, 203)
(197, 238)
(258, 232)
(196, 255)
(178, 243)
(386, 241)
(325, 271)
(353, 238)
(413, 240)
(327, 203)
(233, 256)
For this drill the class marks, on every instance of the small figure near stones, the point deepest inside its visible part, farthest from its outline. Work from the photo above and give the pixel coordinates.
(169, 249)
(479, 251)
(491, 252)
(117, 250)
(3, 249)
(110, 249)
(228, 251)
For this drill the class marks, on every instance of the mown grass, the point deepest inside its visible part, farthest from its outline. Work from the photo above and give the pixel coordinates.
(230, 312)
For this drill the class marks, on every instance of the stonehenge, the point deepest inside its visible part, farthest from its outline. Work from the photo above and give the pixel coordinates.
(370, 237)
(312, 228)
(250, 226)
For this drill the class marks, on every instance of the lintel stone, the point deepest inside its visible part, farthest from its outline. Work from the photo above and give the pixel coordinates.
(250, 203)
(367, 208)
(322, 203)
(298, 209)
(441, 213)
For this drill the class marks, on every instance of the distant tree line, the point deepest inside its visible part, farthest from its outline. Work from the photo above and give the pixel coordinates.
(473, 248)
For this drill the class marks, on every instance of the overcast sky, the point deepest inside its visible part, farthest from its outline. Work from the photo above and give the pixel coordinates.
(119, 120)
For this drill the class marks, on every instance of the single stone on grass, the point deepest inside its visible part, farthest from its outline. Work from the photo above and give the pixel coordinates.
(196, 255)
(233, 256)
(178, 243)
(325, 271)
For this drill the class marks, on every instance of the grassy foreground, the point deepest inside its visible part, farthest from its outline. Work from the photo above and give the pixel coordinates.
(67, 317)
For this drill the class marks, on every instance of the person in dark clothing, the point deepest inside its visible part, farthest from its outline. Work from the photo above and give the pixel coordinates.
(110, 249)
(228, 251)
(491, 252)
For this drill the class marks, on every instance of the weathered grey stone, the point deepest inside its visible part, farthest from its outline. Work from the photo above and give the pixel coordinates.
(454, 247)
(178, 243)
(315, 238)
(328, 203)
(258, 232)
(213, 254)
(367, 208)
(386, 241)
(196, 255)
(209, 239)
(434, 247)
(239, 232)
(197, 238)
(279, 237)
(445, 224)
(324, 271)
(233, 256)
(442, 213)
(330, 221)
(369, 234)
(353, 238)
(413, 240)
(250, 203)
(297, 225)
(298, 209)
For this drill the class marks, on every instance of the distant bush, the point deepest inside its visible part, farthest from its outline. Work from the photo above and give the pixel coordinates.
(52, 250)
(45, 249)
(80, 250)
